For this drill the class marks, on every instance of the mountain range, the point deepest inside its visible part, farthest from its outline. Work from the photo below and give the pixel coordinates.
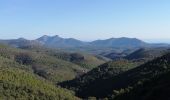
(59, 42)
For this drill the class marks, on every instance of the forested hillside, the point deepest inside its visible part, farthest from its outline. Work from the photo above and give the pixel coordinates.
(146, 54)
(18, 82)
(117, 84)
(157, 88)
(87, 84)
(53, 65)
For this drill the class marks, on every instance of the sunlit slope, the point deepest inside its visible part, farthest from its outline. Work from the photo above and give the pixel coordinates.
(16, 83)
(44, 65)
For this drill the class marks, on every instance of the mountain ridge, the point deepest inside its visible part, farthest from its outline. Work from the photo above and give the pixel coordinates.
(59, 42)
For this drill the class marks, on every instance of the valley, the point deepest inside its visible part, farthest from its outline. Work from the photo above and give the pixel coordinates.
(55, 68)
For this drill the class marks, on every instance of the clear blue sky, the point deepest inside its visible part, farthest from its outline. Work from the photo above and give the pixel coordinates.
(85, 19)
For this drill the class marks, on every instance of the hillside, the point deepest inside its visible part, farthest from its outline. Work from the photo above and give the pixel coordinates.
(84, 60)
(83, 84)
(18, 83)
(118, 54)
(44, 65)
(112, 85)
(147, 53)
(156, 88)
(52, 64)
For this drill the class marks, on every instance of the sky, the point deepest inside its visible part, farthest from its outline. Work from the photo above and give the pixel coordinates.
(86, 19)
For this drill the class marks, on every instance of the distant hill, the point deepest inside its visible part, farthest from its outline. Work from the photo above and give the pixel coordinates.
(58, 42)
(123, 42)
(21, 42)
(120, 42)
(147, 53)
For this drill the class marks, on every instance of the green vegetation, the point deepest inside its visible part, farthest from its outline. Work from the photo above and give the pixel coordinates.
(87, 84)
(44, 65)
(112, 85)
(18, 83)
(84, 60)
(157, 88)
